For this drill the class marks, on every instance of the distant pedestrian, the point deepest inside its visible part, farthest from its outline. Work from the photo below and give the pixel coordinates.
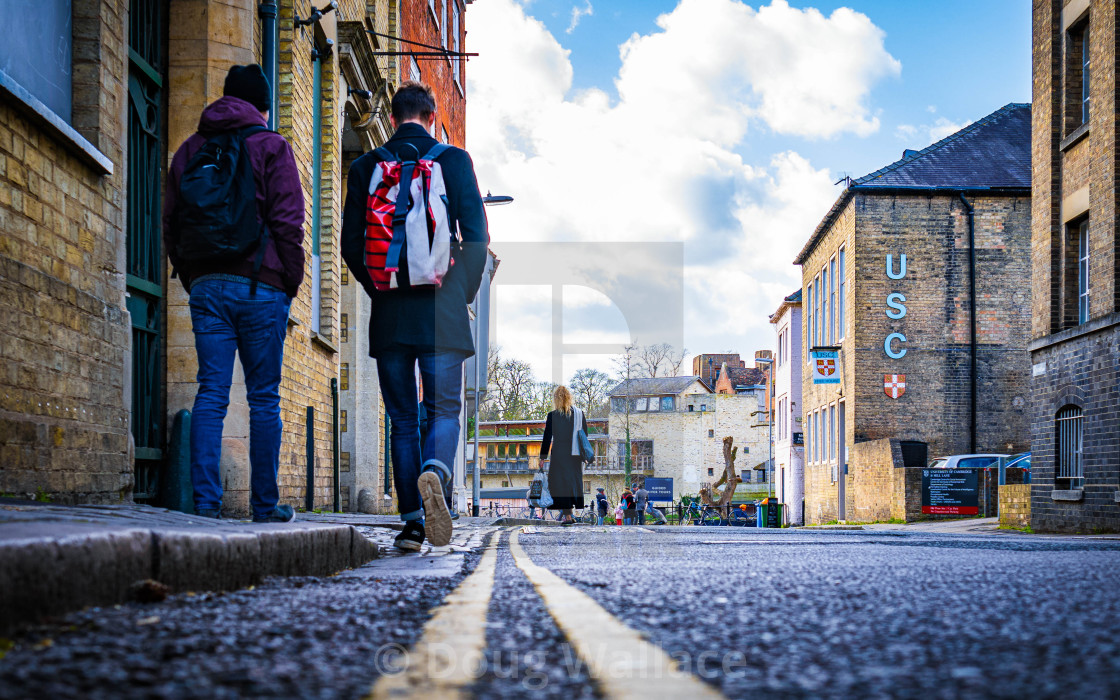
(532, 506)
(641, 500)
(619, 512)
(418, 297)
(601, 505)
(565, 468)
(233, 230)
(628, 505)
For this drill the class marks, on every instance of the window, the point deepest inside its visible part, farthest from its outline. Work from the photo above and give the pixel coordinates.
(832, 301)
(703, 407)
(809, 322)
(344, 377)
(711, 471)
(345, 279)
(824, 306)
(414, 73)
(37, 52)
(1085, 75)
(711, 433)
(808, 438)
(691, 408)
(745, 475)
(443, 24)
(668, 403)
(586, 484)
(344, 461)
(842, 299)
(445, 139)
(832, 432)
(819, 295)
(455, 32)
(1083, 272)
(654, 403)
(342, 423)
(1076, 86)
(1068, 449)
(344, 327)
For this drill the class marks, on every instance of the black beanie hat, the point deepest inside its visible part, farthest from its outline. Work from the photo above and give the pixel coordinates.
(248, 83)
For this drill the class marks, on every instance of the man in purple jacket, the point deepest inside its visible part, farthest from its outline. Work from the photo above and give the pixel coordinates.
(240, 306)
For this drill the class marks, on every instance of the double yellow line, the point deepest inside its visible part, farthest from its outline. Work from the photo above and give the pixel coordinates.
(449, 657)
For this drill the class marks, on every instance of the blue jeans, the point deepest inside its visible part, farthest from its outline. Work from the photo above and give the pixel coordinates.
(441, 372)
(600, 519)
(228, 320)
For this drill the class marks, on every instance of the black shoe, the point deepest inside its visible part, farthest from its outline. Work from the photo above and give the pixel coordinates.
(279, 514)
(411, 537)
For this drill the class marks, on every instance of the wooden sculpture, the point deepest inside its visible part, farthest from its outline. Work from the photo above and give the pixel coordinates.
(723, 498)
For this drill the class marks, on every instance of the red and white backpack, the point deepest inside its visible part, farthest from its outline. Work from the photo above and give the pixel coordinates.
(412, 219)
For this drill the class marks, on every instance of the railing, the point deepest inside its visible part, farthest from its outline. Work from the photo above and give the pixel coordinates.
(501, 466)
(617, 465)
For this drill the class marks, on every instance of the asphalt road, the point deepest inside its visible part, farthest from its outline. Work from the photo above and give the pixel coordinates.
(750, 612)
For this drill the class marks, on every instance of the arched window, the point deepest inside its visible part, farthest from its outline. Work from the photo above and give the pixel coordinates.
(1068, 468)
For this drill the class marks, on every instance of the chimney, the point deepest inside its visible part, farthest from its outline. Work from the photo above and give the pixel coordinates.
(762, 354)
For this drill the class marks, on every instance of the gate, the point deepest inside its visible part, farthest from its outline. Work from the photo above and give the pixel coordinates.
(144, 273)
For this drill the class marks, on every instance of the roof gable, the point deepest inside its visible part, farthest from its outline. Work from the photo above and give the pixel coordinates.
(657, 386)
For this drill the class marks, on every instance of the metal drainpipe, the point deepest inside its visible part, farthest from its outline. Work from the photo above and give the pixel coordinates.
(334, 446)
(973, 386)
(267, 12)
(309, 490)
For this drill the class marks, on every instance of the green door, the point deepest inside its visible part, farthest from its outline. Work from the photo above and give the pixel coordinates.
(144, 278)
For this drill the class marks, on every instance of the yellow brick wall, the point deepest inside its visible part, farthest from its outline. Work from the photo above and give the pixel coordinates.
(64, 331)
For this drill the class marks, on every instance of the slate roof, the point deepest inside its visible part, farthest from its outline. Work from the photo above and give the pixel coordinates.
(655, 385)
(993, 153)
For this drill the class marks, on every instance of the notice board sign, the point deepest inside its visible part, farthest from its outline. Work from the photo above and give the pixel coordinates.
(950, 492)
(826, 365)
(660, 489)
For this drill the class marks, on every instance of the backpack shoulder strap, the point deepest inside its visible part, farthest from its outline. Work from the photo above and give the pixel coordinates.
(253, 129)
(383, 154)
(436, 151)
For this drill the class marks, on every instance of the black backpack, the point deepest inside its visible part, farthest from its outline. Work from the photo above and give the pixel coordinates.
(216, 216)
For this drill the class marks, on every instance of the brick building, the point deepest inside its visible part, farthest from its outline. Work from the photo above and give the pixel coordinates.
(918, 276)
(707, 365)
(676, 428)
(65, 256)
(788, 437)
(1075, 249)
(96, 339)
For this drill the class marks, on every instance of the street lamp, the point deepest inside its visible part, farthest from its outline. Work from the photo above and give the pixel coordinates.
(770, 423)
(490, 200)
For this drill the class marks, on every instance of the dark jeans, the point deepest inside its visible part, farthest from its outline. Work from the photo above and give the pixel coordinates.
(441, 372)
(227, 320)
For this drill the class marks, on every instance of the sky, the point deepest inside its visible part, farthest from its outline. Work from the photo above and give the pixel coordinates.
(694, 145)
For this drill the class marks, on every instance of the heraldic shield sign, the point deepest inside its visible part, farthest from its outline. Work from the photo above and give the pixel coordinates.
(826, 366)
(894, 385)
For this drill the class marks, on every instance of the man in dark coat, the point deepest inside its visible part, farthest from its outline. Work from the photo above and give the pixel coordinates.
(228, 315)
(425, 326)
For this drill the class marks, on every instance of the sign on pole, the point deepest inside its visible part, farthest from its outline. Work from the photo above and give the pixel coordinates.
(826, 366)
(660, 489)
(950, 492)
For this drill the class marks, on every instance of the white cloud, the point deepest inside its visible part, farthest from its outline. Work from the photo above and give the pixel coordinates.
(931, 133)
(661, 162)
(579, 13)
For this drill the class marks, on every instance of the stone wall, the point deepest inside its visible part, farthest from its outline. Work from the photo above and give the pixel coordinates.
(876, 482)
(65, 338)
(1015, 505)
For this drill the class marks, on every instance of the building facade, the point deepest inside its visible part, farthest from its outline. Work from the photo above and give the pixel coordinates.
(788, 438)
(66, 255)
(676, 427)
(98, 347)
(1075, 329)
(918, 279)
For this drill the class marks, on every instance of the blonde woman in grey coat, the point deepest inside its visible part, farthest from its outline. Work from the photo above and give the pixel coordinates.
(565, 468)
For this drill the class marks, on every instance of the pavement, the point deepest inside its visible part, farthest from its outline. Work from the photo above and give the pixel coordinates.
(54, 559)
(608, 612)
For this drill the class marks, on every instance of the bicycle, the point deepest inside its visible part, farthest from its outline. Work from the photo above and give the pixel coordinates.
(696, 514)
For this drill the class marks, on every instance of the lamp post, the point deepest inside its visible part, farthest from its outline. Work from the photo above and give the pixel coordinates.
(770, 423)
(490, 200)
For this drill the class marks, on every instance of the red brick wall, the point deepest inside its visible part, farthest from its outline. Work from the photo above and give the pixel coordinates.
(419, 23)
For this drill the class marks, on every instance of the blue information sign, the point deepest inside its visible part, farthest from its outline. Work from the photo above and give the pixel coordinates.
(660, 489)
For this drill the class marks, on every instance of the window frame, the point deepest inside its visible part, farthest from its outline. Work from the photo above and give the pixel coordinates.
(1083, 271)
(1085, 73)
(832, 300)
(841, 255)
(1069, 447)
(824, 305)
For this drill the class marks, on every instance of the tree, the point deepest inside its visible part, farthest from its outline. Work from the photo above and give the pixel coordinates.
(590, 389)
(652, 357)
(511, 388)
(626, 365)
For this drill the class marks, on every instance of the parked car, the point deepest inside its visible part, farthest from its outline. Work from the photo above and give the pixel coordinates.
(1020, 461)
(976, 461)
